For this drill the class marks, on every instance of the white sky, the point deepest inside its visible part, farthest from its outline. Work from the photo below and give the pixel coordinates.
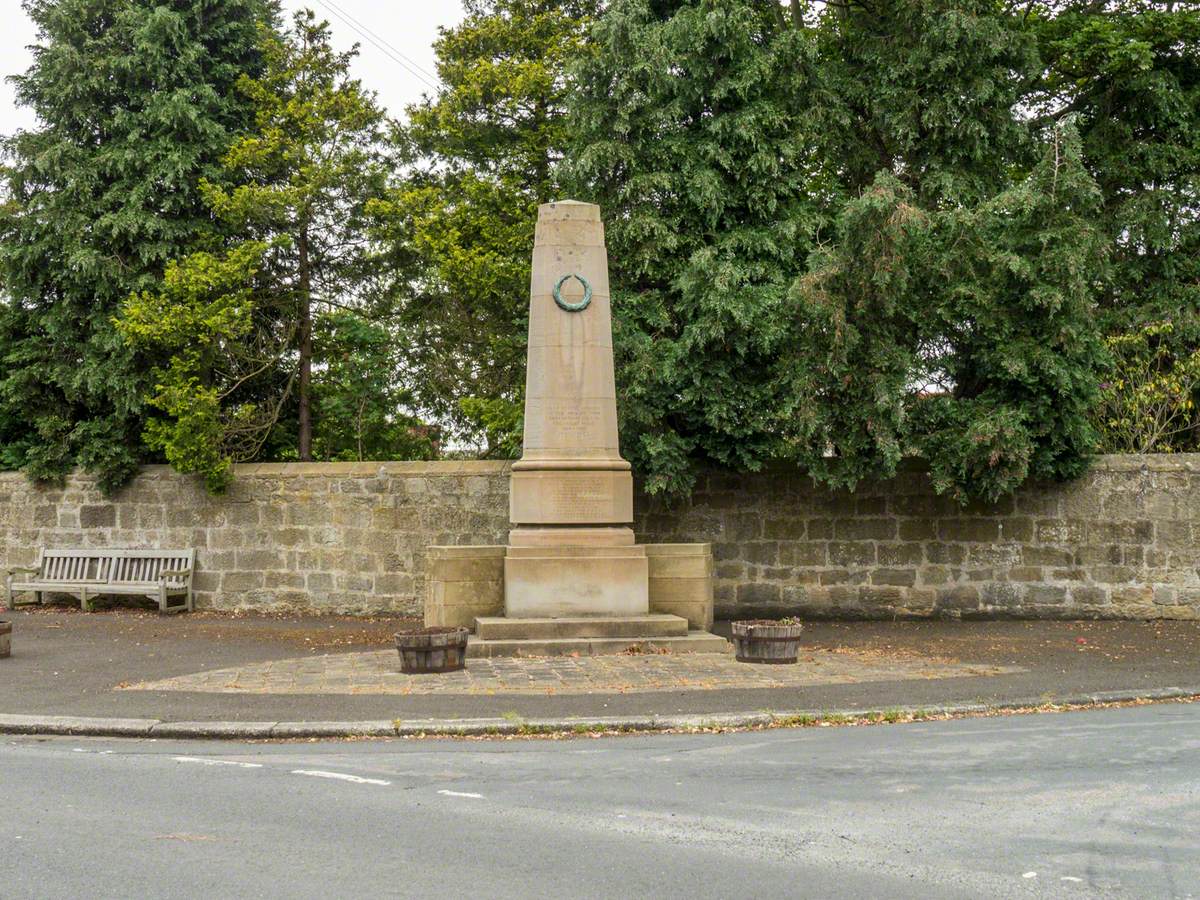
(403, 28)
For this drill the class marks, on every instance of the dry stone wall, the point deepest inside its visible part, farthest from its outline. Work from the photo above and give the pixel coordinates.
(351, 537)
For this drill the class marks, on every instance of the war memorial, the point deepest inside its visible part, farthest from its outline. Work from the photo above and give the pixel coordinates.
(573, 579)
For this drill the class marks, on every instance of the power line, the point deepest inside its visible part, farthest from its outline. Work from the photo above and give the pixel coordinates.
(384, 40)
(404, 61)
(382, 46)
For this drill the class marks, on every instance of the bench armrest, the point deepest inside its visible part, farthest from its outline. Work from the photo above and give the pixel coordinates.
(21, 570)
(173, 573)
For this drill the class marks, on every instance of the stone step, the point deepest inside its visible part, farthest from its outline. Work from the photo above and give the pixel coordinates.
(497, 628)
(692, 642)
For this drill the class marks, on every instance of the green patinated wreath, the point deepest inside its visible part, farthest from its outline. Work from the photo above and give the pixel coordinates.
(573, 307)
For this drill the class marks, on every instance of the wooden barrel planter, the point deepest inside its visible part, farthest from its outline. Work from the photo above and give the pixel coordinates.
(766, 641)
(437, 649)
(5, 639)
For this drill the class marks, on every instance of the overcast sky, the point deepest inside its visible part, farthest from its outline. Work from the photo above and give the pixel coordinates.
(395, 62)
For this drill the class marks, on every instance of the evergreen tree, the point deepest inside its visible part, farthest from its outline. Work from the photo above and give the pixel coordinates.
(236, 326)
(963, 335)
(136, 104)
(1127, 72)
(482, 154)
(926, 90)
(359, 396)
(695, 137)
(837, 239)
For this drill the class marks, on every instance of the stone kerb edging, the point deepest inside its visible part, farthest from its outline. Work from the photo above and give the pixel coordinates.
(73, 726)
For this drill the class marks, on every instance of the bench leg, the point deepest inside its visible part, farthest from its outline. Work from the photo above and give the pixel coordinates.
(84, 604)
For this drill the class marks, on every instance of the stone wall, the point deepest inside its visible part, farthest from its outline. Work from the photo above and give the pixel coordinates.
(327, 537)
(1121, 542)
(351, 537)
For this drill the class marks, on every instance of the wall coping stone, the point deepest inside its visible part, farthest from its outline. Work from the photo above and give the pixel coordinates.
(445, 467)
(1117, 462)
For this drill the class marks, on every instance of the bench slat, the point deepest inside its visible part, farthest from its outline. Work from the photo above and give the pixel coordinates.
(129, 587)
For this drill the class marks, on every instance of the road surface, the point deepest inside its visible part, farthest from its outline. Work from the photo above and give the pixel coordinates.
(1098, 803)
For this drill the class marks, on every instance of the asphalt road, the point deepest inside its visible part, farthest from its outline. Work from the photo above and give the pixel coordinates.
(1098, 803)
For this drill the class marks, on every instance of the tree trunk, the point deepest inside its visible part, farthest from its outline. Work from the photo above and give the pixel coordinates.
(541, 174)
(305, 423)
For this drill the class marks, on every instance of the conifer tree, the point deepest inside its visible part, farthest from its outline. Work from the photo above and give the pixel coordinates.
(693, 133)
(236, 327)
(135, 104)
(1127, 73)
(838, 241)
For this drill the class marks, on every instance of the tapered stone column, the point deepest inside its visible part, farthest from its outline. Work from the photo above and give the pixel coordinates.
(574, 580)
(571, 550)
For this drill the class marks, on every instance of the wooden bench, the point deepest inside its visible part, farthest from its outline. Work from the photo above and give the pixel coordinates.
(87, 573)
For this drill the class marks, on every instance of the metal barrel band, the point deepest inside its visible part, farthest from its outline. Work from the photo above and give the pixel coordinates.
(435, 670)
(767, 640)
(789, 660)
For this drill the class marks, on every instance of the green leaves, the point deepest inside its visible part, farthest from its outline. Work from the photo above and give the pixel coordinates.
(234, 327)
(202, 312)
(481, 154)
(690, 135)
(358, 397)
(1148, 402)
(839, 234)
(838, 242)
(1129, 76)
(136, 103)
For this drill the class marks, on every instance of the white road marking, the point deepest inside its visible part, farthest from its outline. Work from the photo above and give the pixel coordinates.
(217, 762)
(340, 776)
(1030, 875)
(1071, 878)
(85, 750)
(461, 794)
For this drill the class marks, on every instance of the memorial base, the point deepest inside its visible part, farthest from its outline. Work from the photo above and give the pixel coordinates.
(589, 636)
(560, 581)
(467, 586)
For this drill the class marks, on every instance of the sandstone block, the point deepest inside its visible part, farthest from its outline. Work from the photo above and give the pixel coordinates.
(89, 516)
(681, 582)
(566, 581)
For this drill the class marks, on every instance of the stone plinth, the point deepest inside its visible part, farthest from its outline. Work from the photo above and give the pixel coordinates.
(576, 581)
(464, 583)
(681, 582)
(589, 636)
(465, 586)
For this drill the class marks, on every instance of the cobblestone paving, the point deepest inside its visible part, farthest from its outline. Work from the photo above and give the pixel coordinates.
(378, 672)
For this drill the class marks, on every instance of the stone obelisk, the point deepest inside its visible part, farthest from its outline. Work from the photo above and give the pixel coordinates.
(571, 551)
